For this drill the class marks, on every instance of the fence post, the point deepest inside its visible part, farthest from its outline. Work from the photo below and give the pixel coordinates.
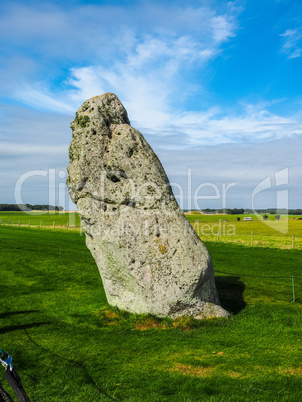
(252, 238)
(41, 224)
(29, 223)
(67, 226)
(293, 285)
(293, 241)
(19, 222)
(53, 226)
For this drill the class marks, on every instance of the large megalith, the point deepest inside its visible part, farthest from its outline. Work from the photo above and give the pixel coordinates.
(149, 257)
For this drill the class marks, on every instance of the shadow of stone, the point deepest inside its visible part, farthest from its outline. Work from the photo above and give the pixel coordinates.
(230, 290)
(11, 328)
(9, 313)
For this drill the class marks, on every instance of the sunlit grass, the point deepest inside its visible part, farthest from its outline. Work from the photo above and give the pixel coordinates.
(40, 218)
(68, 344)
(285, 233)
(272, 233)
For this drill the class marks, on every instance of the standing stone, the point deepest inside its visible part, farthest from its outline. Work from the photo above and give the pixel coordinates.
(149, 257)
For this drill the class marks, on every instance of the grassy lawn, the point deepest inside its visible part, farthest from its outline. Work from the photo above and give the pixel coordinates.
(69, 345)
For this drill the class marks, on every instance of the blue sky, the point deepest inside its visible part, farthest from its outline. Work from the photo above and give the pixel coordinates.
(214, 86)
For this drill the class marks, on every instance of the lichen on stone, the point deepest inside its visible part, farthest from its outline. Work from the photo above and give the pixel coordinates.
(81, 120)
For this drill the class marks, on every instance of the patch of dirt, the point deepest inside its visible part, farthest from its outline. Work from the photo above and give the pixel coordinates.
(148, 324)
(234, 374)
(292, 371)
(110, 314)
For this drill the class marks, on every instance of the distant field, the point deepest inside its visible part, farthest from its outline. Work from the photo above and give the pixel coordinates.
(272, 233)
(232, 218)
(222, 228)
(69, 345)
(35, 218)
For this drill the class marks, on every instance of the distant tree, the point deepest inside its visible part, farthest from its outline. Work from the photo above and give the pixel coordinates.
(235, 211)
(11, 207)
(295, 212)
(29, 207)
(265, 217)
(277, 217)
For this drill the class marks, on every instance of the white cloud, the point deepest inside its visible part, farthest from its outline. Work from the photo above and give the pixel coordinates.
(147, 50)
(292, 43)
(147, 54)
(205, 129)
(21, 125)
(222, 28)
(10, 149)
(43, 144)
(40, 100)
(244, 164)
(147, 99)
(31, 140)
(179, 50)
(102, 31)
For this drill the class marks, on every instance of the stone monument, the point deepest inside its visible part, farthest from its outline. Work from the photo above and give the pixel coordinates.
(149, 257)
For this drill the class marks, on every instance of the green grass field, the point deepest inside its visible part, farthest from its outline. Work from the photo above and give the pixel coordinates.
(69, 345)
(271, 233)
(40, 218)
(222, 228)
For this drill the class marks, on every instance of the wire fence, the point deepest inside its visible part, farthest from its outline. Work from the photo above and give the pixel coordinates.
(291, 278)
(283, 234)
(257, 239)
(251, 239)
(61, 250)
(54, 224)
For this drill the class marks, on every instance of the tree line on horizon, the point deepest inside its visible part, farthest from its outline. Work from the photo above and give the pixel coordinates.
(229, 211)
(29, 207)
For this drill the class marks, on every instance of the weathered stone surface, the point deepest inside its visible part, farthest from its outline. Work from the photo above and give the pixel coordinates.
(149, 257)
